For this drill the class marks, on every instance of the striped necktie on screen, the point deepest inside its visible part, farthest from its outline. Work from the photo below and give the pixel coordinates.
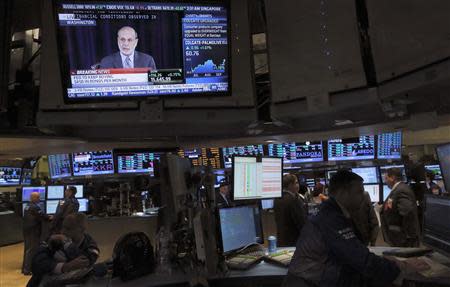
(128, 62)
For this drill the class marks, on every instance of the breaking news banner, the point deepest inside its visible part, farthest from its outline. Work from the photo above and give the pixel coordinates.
(120, 77)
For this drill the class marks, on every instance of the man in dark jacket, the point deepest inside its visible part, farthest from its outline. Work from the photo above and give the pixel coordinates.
(399, 219)
(329, 252)
(71, 250)
(290, 212)
(223, 195)
(366, 221)
(67, 206)
(32, 228)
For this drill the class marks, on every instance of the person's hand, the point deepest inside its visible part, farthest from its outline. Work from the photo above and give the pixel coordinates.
(50, 217)
(77, 263)
(416, 265)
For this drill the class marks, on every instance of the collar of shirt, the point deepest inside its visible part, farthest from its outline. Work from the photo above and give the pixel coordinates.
(395, 186)
(301, 195)
(125, 56)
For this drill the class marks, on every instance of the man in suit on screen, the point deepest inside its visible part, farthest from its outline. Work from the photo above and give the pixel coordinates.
(127, 57)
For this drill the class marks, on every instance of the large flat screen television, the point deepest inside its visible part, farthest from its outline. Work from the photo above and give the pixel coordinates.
(257, 178)
(360, 148)
(10, 175)
(25, 179)
(389, 146)
(229, 152)
(300, 152)
(59, 166)
(136, 161)
(93, 163)
(27, 191)
(203, 156)
(369, 174)
(120, 49)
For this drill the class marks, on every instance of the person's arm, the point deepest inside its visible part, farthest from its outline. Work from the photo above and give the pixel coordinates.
(43, 262)
(405, 202)
(350, 251)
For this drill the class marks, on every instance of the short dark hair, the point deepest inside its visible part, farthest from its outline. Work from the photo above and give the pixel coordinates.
(73, 189)
(342, 180)
(303, 189)
(395, 173)
(74, 221)
(288, 179)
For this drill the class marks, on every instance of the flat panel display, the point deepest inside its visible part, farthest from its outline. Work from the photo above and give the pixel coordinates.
(55, 191)
(239, 227)
(255, 178)
(80, 190)
(202, 156)
(59, 165)
(251, 150)
(374, 191)
(137, 162)
(51, 206)
(93, 163)
(436, 223)
(10, 175)
(267, 203)
(389, 146)
(26, 192)
(369, 174)
(84, 205)
(436, 169)
(117, 49)
(359, 148)
(386, 192)
(25, 179)
(300, 152)
(443, 153)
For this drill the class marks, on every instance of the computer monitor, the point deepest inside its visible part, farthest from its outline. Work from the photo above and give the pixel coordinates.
(267, 203)
(25, 179)
(50, 206)
(383, 171)
(93, 163)
(297, 152)
(257, 178)
(359, 148)
(369, 174)
(436, 169)
(239, 227)
(26, 192)
(386, 192)
(220, 176)
(25, 204)
(436, 223)
(183, 49)
(374, 191)
(55, 191)
(248, 150)
(330, 174)
(389, 146)
(202, 156)
(10, 175)
(59, 166)
(84, 205)
(80, 190)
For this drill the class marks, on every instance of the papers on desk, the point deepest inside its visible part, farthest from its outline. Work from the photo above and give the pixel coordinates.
(283, 257)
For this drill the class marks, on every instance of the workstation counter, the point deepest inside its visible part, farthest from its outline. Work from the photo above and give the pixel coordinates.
(10, 228)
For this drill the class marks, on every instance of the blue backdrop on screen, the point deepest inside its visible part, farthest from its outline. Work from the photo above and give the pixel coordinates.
(160, 38)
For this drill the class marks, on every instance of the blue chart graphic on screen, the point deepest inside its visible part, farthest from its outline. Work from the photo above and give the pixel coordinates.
(390, 145)
(209, 68)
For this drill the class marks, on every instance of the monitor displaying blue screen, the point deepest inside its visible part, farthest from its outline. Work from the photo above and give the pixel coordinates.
(142, 49)
(59, 165)
(386, 192)
(51, 206)
(251, 150)
(26, 192)
(389, 146)
(80, 190)
(93, 163)
(55, 191)
(26, 176)
(369, 174)
(10, 175)
(239, 227)
(84, 204)
(267, 203)
(300, 152)
(359, 148)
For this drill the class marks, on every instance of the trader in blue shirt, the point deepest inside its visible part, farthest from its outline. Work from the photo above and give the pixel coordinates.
(330, 252)
(67, 206)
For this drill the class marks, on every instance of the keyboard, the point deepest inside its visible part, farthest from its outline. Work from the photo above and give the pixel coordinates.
(408, 252)
(246, 258)
(282, 258)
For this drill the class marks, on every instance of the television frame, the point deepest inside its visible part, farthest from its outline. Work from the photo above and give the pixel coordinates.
(19, 182)
(117, 152)
(352, 159)
(70, 166)
(377, 147)
(63, 59)
(72, 161)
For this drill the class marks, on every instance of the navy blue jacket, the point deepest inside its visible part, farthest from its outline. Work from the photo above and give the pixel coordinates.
(330, 253)
(141, 60)
(65, 207)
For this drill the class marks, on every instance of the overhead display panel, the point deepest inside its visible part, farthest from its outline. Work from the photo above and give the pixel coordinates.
(359, 148)
(115, 49)
(202, 156)
(93, 163)
(59, 165)
(10, 175)
(229, 152)
(137, 162)
(297, 152)
(389, 146)
(313, 50)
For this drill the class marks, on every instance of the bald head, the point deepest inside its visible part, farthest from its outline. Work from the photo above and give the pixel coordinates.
(127, 40)
(34, 197)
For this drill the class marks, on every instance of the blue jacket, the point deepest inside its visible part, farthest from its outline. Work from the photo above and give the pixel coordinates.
(330, 253)
(141, 60)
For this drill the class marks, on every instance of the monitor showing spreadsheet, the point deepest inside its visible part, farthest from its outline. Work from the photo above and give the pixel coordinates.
(374, 191)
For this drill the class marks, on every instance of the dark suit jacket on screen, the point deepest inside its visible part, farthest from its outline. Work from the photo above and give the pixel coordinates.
(141, 60)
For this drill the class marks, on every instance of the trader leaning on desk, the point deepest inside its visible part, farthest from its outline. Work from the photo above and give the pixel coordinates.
(330, 252)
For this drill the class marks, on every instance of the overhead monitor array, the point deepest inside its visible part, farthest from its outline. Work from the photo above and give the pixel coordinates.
(297, 152)
(10, 176)
(202, 156)
(229, 152)
(360, 148)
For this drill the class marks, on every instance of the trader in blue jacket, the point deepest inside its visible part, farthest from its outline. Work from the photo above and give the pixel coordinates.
(330, 252)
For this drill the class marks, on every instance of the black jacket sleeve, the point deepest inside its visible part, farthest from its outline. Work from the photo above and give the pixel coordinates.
(42, 264)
